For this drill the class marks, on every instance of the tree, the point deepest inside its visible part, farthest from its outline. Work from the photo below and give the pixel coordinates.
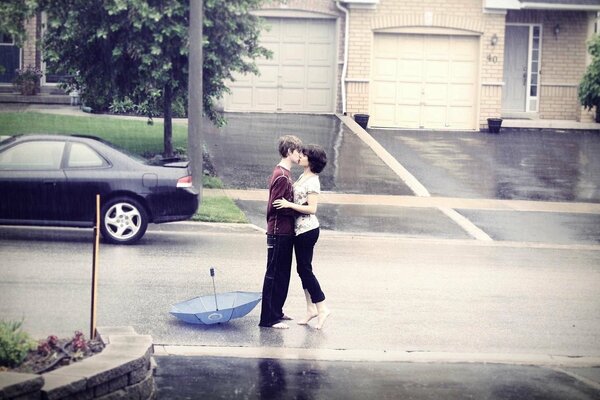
(13, 15)
(136, 51)
(589, 88)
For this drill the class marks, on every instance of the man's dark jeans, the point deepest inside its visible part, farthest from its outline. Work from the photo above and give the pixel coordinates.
(277, 278)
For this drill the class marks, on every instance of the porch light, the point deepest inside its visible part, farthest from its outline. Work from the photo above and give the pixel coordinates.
(494, 40)
(556, 30)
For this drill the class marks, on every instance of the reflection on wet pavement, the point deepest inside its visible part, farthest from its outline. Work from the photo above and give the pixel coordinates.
(352, 166)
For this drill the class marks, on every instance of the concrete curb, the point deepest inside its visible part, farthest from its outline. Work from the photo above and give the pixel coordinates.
(124, 369)
(542, 360)
(545, 360)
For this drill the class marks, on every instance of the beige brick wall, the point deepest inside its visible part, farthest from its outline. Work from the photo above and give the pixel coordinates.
(458, 14)
(29, 47)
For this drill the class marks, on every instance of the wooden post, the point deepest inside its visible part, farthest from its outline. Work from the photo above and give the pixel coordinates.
(95, 268)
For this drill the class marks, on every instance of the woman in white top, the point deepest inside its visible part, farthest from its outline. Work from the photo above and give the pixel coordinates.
(306, 192)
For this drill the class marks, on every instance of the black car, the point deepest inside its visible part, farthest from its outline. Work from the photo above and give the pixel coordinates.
(53, 180)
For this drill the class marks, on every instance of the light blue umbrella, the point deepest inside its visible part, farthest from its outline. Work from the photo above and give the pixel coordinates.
(213, 309)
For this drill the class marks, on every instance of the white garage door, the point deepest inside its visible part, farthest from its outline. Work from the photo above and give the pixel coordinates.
(424, 81)
(301, 75)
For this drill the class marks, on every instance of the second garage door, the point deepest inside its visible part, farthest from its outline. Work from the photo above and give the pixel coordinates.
(424, 81)
(299, 78)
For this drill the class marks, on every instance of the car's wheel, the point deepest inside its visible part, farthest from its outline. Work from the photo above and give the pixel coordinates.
(124, 220)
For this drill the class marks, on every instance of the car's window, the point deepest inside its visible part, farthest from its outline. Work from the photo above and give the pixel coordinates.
(81, 156)
(44, 155)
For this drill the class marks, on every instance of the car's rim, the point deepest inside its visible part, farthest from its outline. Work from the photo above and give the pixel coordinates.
(122, 221)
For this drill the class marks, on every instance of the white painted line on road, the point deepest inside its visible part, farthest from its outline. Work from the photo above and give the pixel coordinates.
(386, 157)
(466, 225)
(375, 355)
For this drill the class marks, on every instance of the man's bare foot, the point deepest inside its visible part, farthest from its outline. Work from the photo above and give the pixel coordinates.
(308, 317)
(322, 317)
(280, 325)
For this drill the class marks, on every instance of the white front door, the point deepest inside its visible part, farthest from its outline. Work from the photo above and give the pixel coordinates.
(301, 75)
(515, 68)
(424, 81)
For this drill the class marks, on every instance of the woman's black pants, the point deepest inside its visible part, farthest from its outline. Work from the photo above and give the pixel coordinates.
(304, 245)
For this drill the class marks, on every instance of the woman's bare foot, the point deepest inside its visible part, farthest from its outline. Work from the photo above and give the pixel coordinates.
(308, 317)
(311, 312)
(322, 317)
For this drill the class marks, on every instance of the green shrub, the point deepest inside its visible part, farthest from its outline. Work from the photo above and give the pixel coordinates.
(14, 343)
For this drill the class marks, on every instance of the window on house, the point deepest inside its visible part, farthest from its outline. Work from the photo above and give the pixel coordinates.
(6, 39)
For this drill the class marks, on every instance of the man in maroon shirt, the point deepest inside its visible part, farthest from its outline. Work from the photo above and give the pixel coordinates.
(280, 236)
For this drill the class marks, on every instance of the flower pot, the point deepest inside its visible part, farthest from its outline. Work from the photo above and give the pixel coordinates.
(27, 88)
(494, 125)
(362, 120)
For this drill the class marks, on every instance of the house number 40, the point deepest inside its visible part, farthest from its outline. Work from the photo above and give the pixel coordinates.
(493, 59)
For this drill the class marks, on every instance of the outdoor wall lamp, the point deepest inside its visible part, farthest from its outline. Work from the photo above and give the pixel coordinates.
(494, 40)
(556, 30)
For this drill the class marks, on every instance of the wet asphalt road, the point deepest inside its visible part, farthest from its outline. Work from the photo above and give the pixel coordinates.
(229, 378)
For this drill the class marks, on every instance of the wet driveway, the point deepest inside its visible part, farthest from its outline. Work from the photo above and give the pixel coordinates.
(244, 153)
(547, 165)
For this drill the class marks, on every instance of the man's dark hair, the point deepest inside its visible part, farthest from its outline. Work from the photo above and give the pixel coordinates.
(317, 159)
(288, 143)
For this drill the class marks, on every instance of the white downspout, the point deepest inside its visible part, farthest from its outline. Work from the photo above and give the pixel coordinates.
(345, 65)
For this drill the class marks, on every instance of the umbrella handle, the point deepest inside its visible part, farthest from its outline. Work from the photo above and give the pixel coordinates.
(212, 274)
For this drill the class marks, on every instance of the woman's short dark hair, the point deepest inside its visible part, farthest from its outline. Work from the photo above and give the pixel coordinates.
(317, 159)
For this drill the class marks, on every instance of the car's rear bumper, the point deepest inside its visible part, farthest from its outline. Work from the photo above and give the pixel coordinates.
(169, 207)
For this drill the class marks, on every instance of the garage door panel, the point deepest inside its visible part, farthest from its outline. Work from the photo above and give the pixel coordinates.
(407, 93)
(410, 47)
(411, 70)
(319, 77)
(293, 76)
(435, 115)
(292, 98)
(385, 69)
(435, 93)
(436, 71)
(383, 44)
(318, 99)
(320, 31)
(242, 97)
(293, 53)
(408, 116)
(267, 77)
(435, 81)
(383, 93)
(461, 71)
(301, 72)
(383, 115)
(294, 31)
(319, 54)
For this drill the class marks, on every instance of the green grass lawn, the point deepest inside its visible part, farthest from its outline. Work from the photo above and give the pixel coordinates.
(134, 135)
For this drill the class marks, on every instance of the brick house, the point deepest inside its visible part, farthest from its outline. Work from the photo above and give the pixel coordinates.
(430, 64)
